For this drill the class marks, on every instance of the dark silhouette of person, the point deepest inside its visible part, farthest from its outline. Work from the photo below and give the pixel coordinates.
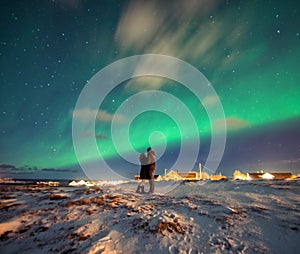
(144, 173)
(152, 167)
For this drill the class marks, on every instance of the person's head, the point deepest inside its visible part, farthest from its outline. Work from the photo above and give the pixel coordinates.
(149, 149)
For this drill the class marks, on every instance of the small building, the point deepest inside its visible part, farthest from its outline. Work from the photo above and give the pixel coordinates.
(266, 175)
(217, 177)
(175, 175)
(189, 176)
(238, 175)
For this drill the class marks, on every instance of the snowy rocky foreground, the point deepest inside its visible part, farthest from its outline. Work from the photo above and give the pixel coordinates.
(216, 217)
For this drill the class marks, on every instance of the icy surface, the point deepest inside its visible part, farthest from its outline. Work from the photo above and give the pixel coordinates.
(216, 217)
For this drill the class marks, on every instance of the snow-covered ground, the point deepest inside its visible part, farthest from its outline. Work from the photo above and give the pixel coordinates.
(216, 217)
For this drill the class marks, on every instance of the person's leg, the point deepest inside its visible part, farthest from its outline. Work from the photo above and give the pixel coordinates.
(140, 188)
(151, 183)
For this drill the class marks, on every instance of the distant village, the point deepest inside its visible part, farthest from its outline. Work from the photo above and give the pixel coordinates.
(237, 175)
(175, 175)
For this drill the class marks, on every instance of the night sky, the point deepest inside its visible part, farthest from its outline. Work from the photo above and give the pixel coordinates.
(248, 50)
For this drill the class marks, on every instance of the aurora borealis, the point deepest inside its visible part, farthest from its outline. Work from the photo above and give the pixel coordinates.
(248, 50)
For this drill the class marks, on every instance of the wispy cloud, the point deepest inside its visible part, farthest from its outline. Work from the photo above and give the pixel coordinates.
(147, 24)
(145, 82)
(12, 168)
(7, 167)
(232, 123)
(138, 24)
(210, 101)
(89, 134)
(99, 115)
(151, 28)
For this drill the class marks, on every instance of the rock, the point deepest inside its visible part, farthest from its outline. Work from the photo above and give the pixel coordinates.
(57, 196)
